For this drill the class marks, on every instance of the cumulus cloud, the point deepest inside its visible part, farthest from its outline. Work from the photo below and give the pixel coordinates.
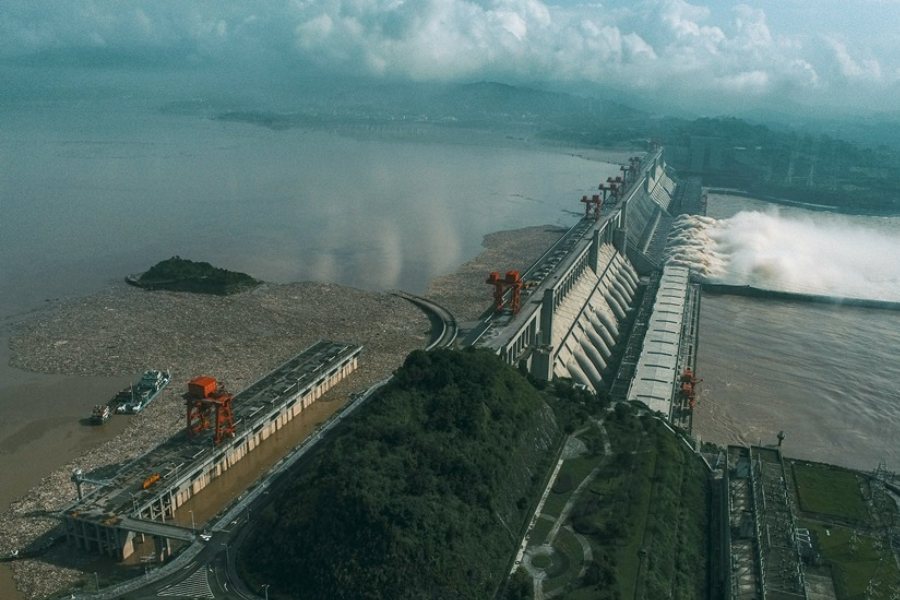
(852, 68)
(655, 45)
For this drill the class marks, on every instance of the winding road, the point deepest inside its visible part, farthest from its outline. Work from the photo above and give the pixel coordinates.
(444, 328)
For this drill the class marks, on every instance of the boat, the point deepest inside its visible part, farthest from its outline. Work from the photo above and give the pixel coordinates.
(135, 398)
(100, 414)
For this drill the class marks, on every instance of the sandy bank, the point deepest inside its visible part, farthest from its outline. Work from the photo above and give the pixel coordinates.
(464, 292)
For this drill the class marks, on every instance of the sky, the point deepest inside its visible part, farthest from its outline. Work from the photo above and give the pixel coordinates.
(712, 57)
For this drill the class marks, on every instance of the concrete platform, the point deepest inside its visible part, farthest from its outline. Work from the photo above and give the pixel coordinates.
(106, 518)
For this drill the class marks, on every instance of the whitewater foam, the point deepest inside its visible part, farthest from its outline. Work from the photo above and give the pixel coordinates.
(821, 254)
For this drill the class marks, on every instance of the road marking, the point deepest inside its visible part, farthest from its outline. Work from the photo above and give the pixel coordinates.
(195, 586)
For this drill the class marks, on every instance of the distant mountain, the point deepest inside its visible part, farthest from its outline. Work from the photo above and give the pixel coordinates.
(850, 163)
(495, 97)
(473, 102)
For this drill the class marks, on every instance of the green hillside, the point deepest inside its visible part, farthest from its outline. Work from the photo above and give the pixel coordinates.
(423, 493)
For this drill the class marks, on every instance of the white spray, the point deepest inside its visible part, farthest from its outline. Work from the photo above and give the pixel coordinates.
(821, 254)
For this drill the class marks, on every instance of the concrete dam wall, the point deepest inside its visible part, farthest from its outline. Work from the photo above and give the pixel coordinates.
(588, 313)
(573, 311)
(647, 219)
(586, 323)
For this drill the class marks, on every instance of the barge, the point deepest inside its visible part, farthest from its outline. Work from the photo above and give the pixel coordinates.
(135, 398)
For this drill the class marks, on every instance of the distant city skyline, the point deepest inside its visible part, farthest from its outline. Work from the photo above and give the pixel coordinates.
(711, 57)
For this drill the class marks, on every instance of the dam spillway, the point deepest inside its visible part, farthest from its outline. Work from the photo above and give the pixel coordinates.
(583, 294)
(591, 313)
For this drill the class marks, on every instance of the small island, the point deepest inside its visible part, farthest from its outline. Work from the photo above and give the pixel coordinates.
(183, 275)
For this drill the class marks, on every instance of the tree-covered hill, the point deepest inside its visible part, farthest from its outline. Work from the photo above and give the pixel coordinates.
(183, 275)
(423, 493)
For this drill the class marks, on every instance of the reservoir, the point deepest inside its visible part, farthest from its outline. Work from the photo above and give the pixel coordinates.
(100, 185)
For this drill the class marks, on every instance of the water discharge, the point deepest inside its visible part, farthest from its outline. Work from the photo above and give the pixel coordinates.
(815, 253)
(822, 373)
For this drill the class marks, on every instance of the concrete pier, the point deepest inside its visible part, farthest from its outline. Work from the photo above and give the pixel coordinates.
(143, 496)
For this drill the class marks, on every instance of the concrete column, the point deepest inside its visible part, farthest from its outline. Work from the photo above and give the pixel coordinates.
(542, 363)
(547, 309)
(162, 547)
(620, 237)
(127, 545)
(620, 240)
(594, 255)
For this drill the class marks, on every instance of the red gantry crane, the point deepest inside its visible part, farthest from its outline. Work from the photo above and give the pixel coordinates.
(635, 165)
(596, 201)
(512, 281)
(206, 396)
(613, 187)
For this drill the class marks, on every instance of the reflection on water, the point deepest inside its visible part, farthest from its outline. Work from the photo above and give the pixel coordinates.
(93, 192)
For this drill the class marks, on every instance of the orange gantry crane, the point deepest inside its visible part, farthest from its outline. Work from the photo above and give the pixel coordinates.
(596, 201)
(206, 396)
(635, 165)
(512, 281)
(614, 186)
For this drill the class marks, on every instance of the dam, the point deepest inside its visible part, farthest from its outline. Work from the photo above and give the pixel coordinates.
(595, 305)
(602, 278)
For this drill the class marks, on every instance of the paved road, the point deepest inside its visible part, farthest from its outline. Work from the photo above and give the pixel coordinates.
(446, 330)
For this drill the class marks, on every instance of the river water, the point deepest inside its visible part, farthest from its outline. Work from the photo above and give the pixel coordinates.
(92, 189)
(94, 186)
(828, 376)
(95, 190)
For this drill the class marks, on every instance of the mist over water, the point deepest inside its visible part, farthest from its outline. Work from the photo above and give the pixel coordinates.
(813, 253)
(93, 191)
(825, 374)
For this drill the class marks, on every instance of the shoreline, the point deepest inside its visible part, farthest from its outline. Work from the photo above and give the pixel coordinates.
(781, 201)
(98, 334)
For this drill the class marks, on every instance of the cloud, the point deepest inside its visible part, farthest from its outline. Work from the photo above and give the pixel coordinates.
(852, 68)
(671, 47)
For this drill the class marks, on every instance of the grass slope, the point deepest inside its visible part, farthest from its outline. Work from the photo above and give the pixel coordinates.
(655, 527)
(639, 504)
